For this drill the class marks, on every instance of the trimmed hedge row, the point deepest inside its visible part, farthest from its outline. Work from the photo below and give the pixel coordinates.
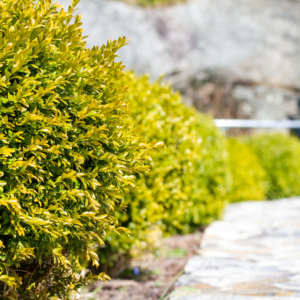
(279, 155)
(197, 173)
(69, 154)
(75, 169)
(264, 166)
(189, 180)
(248, 176)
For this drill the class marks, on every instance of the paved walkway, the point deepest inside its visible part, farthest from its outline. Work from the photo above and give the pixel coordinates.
(253, 254)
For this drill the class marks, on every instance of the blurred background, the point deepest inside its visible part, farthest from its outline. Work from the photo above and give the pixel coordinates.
(231, 59)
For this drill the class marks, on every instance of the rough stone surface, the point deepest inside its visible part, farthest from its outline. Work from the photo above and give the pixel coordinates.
(253, 254)
(254, 44)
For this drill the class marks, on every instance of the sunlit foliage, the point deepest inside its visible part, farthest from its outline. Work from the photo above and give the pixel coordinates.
(66, 149)
(248, 176)
(279, 155)
(189, 180)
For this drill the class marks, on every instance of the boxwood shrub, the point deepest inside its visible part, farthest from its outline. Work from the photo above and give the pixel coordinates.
(248, 176)
(67, 150)
(189, 179)
(279, 155)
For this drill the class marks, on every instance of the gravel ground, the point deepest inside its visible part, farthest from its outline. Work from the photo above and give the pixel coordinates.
(156, 272)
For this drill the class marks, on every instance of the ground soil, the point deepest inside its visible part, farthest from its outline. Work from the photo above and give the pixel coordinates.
(156, 271)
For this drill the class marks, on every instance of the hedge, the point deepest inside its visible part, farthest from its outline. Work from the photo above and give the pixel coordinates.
(67, 150)
(187, 186)
(248, 176)
(279, 155)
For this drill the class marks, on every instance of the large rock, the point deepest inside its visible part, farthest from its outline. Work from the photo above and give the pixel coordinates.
(247, 43)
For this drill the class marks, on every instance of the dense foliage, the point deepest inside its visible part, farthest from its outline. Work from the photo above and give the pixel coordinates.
(248, 176)
(71, 146)
(279, 155)
(189, 179)
(66, 149)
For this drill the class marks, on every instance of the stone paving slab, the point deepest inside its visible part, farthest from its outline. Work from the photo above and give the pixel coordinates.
(252, 254)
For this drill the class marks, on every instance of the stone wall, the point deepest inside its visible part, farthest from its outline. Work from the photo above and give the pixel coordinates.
(247, 51)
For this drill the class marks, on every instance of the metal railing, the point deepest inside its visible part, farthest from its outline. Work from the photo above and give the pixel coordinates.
(274, 124)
